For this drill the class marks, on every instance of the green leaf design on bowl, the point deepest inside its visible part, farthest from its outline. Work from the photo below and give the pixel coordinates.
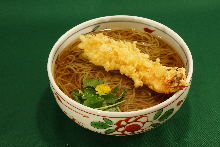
(103, 125)
(109, 131)
(158, 114)
(108, 121)
(100, 125)
(166, 114)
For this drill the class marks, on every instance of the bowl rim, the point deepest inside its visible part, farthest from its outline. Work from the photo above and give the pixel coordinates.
(120, 114)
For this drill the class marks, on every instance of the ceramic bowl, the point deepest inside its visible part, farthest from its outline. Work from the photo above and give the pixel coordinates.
(121, 123)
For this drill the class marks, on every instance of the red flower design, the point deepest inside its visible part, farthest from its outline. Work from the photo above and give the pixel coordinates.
(148, 30)
(131, 125)
(132, 128)
(179, 103)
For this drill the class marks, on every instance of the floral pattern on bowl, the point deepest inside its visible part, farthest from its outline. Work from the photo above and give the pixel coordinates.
(119, 126)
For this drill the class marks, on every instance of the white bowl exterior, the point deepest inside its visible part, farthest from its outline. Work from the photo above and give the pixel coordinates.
(120, 123)
(119, 126)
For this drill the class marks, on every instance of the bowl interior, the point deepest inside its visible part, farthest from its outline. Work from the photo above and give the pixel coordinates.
(159, 31)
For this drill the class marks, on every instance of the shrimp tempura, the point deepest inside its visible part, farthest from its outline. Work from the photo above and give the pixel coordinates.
(124, 56)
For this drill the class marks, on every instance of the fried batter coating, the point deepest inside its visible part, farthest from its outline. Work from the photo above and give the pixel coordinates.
(124, 56)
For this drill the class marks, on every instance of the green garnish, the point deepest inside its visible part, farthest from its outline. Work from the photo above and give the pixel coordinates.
(96, 94)
(91, 83)
(124, 91)
(77, 95)
(109, 106)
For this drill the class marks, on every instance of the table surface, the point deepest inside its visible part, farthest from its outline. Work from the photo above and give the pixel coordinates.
(28, 113)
